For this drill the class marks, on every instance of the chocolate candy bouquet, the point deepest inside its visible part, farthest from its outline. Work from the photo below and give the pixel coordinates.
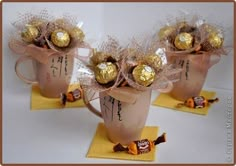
(122, 77)
(194, 45)
(52, 44)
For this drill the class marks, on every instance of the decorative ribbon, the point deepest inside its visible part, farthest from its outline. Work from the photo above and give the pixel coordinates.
(42, 54)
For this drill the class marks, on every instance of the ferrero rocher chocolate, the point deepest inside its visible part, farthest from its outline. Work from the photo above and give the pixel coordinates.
(99, 57)
(165, 32)
(105, 72)
(60, 38)
(77, 34)
(183, 26)
(143, 75)
(209, 28)
(215, 40)
(153, 59)
(36, 23)
(29, 33)
(183, 41)
(60, 21)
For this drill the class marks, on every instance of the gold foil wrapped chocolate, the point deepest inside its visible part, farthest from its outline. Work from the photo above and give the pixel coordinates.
(36, 23)
(29, 34)
(183, 41)
(215, 40)
(77, 34)
(209, 28)
(60, 38)
(105, 72)
(165, 32)
(183, 27)
(153, 59)
(143, 74)
(60, 21)
(99, 57)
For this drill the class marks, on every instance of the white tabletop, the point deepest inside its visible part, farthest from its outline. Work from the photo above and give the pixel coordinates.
(64, 136)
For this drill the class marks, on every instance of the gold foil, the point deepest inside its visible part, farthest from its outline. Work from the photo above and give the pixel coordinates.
(143, 75)
(165, 32)
(60, 21)
(60, 38)
(29, 33)
(182, 25)
(215, 40)
(105, 72)
(209, 28)
(77, 34)
(36, 23)
(154, 60)
(183, 41)
(99, 57)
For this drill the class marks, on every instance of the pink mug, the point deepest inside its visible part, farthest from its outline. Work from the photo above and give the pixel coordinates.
(52, 77)
(123, 121)
(192, 77)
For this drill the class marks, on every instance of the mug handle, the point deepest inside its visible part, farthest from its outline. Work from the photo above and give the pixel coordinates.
(22, 77)
(168, 88)
(91, 107)
(85, 45)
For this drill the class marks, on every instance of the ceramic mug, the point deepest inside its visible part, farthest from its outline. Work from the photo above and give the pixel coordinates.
(52, 77)
(123, 121)
(192, 77)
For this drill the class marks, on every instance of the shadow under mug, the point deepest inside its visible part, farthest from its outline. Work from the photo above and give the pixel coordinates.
(51, 77)
(124, 122)
(192, 77)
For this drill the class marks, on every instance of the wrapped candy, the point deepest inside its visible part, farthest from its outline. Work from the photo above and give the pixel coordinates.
(99, 57)
(194, 45)
(71, 96)
(77, 34)
(140, 146)
(145, 67)
(191, 35)
(144, 74)
(105, 72)
(60, 38)
(183, 41)
(154, 60)
(197, 102)
(43, 34)
(30, 33)
(165, 32)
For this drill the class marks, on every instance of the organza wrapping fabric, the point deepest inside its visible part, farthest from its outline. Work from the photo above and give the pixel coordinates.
(195, 61)
(49, 23)
(126, 58)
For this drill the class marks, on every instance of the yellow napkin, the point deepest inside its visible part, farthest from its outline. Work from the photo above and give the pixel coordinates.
(38, 102)
(101, 147)
(165, 100)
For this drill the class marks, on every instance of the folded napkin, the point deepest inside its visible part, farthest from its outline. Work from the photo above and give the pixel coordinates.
(165, 100)
(101, 147)
(38, 102)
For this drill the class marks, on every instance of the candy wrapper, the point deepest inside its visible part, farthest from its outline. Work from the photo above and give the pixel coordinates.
(42, 35)
(140, 146)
